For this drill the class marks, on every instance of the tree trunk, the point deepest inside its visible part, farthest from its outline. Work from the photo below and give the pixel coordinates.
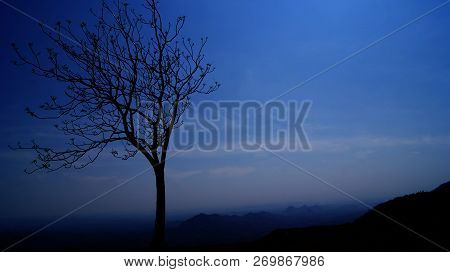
(160, 218)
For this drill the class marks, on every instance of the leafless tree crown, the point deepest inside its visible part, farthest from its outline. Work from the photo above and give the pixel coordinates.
(125, 67)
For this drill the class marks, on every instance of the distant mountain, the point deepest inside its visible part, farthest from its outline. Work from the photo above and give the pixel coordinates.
(415, 222)
(209, 229)
(212, 229)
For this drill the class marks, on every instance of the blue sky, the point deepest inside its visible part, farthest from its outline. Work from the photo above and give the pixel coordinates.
(378, 126)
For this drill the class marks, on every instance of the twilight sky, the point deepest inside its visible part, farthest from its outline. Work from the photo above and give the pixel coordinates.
(379, 124)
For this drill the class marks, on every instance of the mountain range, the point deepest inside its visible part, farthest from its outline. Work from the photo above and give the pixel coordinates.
(415, 222)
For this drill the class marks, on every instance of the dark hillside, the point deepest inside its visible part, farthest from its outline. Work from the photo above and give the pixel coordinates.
(417, 222)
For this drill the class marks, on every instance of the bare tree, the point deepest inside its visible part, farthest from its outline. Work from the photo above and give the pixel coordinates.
(125, 67)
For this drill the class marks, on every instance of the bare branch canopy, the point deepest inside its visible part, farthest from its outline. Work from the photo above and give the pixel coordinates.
(124, 68)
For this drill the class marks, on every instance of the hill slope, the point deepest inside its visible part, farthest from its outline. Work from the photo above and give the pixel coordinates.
(416, 222)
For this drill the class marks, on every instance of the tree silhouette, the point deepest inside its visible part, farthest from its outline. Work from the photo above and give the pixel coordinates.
(129, 78)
